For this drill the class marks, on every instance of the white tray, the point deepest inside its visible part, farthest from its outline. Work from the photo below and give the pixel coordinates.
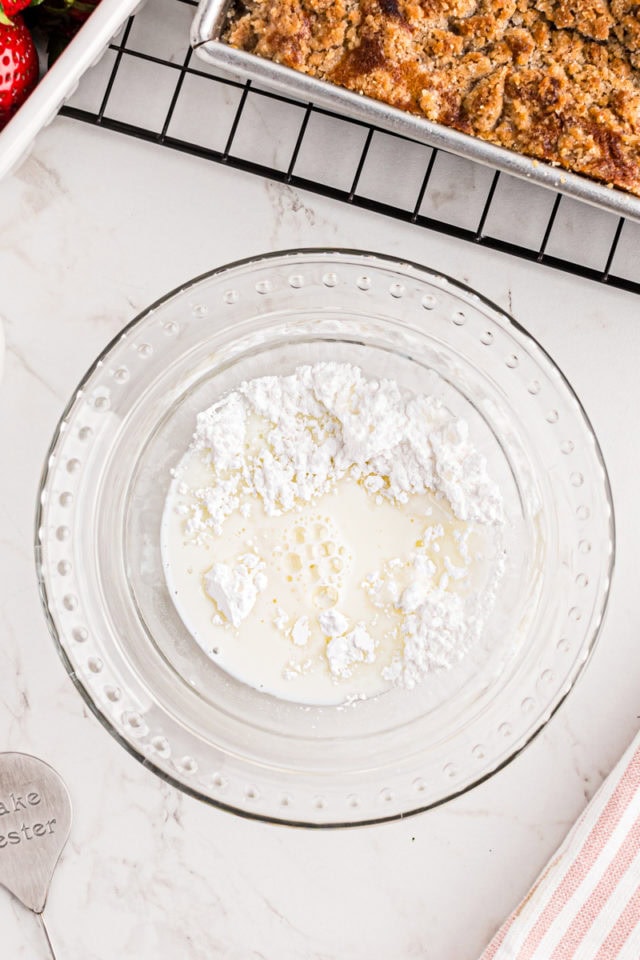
(61, 80)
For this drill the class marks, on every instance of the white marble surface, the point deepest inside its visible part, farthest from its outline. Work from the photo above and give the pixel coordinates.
(92, 228)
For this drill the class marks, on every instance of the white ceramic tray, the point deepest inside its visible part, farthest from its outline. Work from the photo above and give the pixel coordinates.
(61, 80)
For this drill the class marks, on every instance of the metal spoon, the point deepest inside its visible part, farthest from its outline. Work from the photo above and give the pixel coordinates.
(35, 821)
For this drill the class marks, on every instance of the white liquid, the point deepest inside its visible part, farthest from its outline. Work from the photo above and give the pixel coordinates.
(317, 557)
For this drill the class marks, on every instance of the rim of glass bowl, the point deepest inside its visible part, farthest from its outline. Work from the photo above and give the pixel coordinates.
(399, 267)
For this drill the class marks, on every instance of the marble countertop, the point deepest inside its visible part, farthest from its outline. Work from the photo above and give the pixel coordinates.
(93, 227)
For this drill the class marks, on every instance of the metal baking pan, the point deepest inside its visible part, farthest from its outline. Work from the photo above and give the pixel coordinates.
(209, 24)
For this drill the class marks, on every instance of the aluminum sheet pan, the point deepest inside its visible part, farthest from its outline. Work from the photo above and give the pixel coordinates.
(208, 25)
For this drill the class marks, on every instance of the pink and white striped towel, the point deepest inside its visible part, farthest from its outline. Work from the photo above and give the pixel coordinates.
(586, 903)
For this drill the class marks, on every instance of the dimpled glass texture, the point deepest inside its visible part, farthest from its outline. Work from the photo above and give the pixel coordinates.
(102, 495)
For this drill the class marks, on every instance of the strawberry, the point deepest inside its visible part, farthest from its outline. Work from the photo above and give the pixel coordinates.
(18, 67)
(9, 8)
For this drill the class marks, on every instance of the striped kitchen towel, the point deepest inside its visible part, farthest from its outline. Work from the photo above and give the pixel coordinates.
(586, 903)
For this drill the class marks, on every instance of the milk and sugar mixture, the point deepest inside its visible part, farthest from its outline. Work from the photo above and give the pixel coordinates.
(327, 536)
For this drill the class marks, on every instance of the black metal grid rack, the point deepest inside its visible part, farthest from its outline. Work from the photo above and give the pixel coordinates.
(150, 85)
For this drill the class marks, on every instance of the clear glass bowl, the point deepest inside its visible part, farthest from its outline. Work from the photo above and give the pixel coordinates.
(103, 491)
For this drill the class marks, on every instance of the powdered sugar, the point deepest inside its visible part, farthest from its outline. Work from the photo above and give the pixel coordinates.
(235, 589)
(300, 631)
(333, 623)
(443, 627)
(356, 646)
(290, 439)
(278, 444)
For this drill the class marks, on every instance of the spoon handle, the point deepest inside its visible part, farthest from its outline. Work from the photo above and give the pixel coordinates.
(46, 934)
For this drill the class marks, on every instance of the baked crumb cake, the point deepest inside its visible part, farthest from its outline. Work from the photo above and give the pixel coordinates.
(557, 80)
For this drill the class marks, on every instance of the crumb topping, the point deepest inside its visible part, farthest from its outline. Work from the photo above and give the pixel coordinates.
(552, 79)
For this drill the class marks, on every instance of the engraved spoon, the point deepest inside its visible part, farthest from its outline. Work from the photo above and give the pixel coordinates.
(35, 821)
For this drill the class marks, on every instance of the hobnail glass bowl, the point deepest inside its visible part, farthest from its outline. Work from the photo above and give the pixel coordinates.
(98, 546)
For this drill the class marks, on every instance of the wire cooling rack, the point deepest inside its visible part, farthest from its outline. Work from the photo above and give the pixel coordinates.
(150, 85)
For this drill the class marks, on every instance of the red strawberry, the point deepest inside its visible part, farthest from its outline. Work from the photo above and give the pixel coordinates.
(9, 8)
(18, 67)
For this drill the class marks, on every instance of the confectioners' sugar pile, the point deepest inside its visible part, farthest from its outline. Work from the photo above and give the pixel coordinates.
(235, 589)
(324, 421)
(281, 445)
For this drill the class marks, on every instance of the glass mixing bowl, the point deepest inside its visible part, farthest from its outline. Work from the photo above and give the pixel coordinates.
(98, 545)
